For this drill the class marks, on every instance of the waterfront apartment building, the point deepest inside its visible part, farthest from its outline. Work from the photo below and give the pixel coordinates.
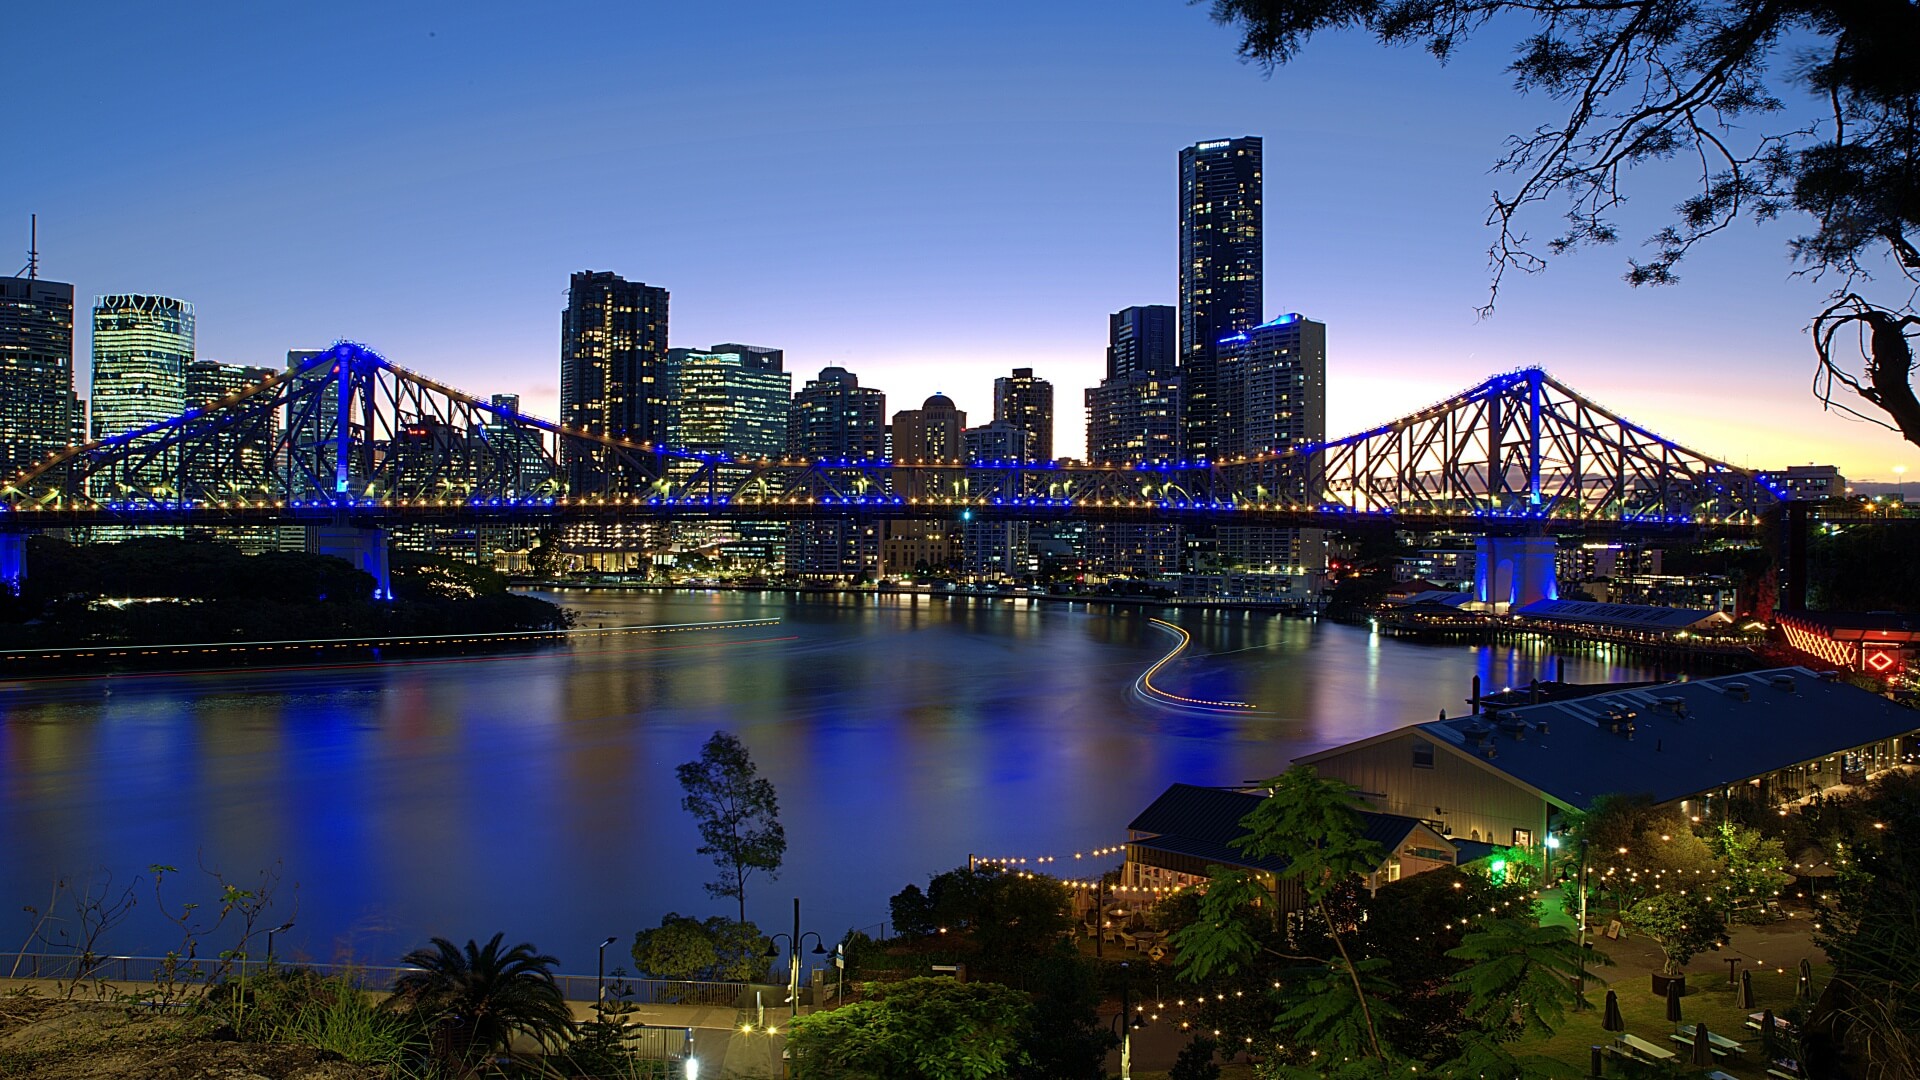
(1134, 417)
(1141, 341)
(1273, 383)
(141, 348)
(36, 371)
(996, 550)
(613, 354)
(1027, 402)
(833, 416)
(1220, 271)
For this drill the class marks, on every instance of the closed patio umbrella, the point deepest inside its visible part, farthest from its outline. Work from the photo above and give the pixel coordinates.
(1702, 1047)
(1746, 989)
(1769, 1038)
(1673, 1001)
(1804, 992)
(1612, 1020)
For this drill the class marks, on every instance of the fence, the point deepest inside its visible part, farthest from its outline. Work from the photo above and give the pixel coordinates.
(69, 967)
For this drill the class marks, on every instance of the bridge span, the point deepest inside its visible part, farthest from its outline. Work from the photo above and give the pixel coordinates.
(349, 442)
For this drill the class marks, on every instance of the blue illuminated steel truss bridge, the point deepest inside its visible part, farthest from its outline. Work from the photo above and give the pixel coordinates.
(349, 438)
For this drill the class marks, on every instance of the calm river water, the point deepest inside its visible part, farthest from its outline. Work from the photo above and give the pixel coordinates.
(535, 794)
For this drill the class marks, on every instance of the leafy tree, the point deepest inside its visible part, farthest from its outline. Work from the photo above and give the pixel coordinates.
(679, 948)
(477, 998)
(684, 948)
(1646, 80)
(1755, 867)
(1196, 1061)
(1636, 849)
(1519, 976)
(738, 814)
(543, 558)
(1868, 923)
(1336, 1008)
(936, 1029)
(1313, 822)
(1065, 1038)
(1682, 924)
(1000, 921)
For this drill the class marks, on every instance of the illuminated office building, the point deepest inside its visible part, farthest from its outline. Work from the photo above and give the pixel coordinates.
(728, 400)
(1274, 399)
(36, 371)
(141, 348)
(1140, 341)
(833, 416)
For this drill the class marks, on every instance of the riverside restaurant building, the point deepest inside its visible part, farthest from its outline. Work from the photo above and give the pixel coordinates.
(1505, 777)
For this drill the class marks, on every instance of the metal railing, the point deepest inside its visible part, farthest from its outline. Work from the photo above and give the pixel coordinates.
(156, 970)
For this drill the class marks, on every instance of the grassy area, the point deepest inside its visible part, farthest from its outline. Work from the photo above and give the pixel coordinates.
(1709, 1001)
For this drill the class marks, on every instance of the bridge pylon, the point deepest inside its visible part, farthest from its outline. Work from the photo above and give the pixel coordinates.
(1514, 571)
(13, 562)
(364, 546)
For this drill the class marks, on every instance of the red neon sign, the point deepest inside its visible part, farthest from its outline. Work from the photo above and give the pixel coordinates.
(1880, 661)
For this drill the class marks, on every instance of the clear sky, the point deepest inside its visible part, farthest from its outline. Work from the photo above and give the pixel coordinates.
(928, 194)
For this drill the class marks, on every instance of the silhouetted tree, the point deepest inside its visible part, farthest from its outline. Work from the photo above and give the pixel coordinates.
(738, 813)
(1648, 80)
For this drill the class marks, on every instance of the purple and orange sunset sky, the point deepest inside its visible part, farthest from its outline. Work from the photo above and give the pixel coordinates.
(928, 194)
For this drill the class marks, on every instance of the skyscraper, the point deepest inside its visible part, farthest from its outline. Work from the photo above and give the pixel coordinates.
(1140, 341)
(833, 416)
(730, 399)
(613, 351)
(141, 348)
(1133, 418)
(1220, 270)
(1027, 402)
(36, 371)
(1274, 399)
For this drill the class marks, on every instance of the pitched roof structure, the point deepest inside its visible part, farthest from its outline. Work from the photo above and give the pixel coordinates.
(1673, 740)
(1203, 822)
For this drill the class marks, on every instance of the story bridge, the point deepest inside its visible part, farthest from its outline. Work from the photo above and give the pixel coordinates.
(349, 444)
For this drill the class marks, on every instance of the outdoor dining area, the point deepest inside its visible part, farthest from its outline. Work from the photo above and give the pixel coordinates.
(1697, 1045)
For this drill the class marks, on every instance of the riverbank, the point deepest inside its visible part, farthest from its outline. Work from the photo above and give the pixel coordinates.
(563, 585)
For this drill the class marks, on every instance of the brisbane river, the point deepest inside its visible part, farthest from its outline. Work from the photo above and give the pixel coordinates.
(535, 793)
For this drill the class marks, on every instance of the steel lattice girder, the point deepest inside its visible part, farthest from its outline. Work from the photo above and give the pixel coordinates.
(349, 431)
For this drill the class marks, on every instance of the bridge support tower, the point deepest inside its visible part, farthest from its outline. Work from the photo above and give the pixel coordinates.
(1513, 571)
(13, 562)
(365, 547)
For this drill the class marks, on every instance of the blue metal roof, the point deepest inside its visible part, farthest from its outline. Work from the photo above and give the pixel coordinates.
(1686, 738)
(1203, 822)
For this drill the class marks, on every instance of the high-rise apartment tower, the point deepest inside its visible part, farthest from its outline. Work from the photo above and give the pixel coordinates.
(1220, 271)
(36, 371)
(1027, 402)
(613, 353)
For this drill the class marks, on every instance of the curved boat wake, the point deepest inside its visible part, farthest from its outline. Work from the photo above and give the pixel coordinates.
(1143, 686)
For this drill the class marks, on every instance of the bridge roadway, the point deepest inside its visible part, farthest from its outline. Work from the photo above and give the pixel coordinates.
(373, 513)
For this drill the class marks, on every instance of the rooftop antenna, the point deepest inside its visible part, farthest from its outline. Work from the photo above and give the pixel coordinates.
(33, 247)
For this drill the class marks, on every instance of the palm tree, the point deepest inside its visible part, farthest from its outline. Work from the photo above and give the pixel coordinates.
(474, 1000)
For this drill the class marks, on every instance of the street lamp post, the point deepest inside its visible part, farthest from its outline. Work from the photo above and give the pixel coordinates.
(281, 929)
(1128, 1022)
(600, 983)
(1582, 988)
(794, 941)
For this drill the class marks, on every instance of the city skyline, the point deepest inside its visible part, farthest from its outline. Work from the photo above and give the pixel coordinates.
(1394, 265)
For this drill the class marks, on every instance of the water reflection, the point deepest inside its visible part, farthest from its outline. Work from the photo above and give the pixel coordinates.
(535, 793)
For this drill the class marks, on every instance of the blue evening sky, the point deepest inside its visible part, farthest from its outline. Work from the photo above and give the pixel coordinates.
(929, 194)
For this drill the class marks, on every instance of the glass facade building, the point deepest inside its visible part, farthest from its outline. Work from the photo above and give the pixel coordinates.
(141, 348)
(1220, 270)
(36, 371)
(732, 402)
